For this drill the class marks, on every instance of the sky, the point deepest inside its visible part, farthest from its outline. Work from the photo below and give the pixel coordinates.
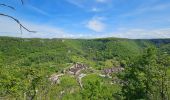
(134, 19)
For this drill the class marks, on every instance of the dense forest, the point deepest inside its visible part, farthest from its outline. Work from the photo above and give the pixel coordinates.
(103, 69)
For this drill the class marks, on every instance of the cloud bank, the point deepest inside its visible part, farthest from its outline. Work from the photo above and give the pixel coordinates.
(10, 28)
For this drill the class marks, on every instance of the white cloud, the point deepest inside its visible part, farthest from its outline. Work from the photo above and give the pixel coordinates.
(95, 9)
(10, 28)
(96, 25)
(141, 33)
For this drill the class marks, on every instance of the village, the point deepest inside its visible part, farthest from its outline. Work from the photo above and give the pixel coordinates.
(76, 71)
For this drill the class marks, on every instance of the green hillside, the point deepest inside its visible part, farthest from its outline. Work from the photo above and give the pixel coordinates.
(27, 64)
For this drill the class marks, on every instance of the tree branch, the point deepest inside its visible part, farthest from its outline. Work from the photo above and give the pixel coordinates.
(16, 20)
(4, 5)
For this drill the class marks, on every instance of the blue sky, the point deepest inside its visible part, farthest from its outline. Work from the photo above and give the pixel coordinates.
(88, 18)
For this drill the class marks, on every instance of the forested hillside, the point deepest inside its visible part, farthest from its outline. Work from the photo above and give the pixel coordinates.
(27, 65)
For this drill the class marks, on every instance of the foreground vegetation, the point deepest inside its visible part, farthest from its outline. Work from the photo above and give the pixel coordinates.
(27, 64)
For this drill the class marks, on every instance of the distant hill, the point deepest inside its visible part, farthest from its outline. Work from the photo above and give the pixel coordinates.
(73, 50)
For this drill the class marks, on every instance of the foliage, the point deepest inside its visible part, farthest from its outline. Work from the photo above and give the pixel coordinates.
(146, 78)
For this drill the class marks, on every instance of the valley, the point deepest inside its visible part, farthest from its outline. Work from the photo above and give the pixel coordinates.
(73, 69)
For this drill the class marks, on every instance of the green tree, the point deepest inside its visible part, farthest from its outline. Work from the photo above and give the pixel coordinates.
(149, 67)
(141, 76)
(164, 64)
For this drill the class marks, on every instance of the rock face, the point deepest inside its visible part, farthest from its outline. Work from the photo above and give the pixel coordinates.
(75, 69)
(109, 71)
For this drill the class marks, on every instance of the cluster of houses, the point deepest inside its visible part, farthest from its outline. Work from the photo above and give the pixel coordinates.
(73, 70)
(76, 68)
